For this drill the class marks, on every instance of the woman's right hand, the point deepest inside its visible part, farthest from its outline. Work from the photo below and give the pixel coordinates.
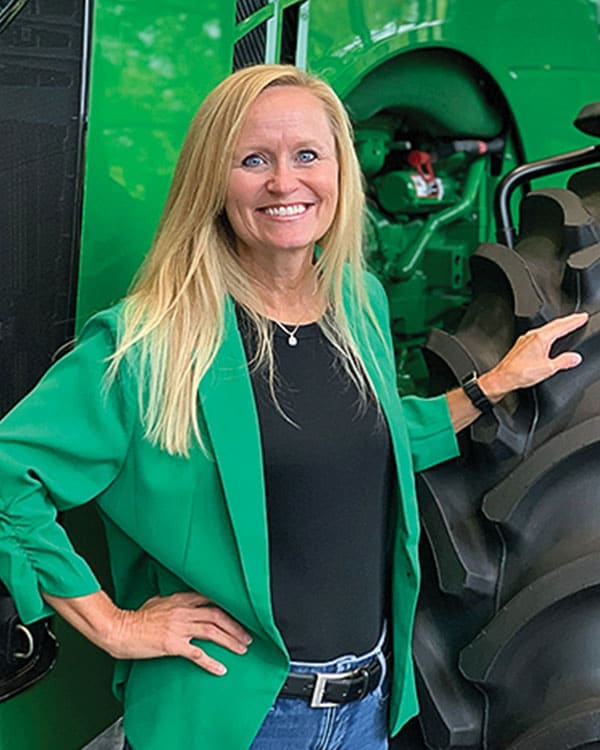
(162, 626)
(165, 626)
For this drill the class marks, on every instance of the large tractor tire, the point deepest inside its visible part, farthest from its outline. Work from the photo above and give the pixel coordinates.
(507, 638)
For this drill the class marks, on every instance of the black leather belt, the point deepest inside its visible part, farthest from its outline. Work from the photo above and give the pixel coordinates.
(326, 690)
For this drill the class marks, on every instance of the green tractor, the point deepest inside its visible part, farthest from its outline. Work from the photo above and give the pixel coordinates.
(447, 98)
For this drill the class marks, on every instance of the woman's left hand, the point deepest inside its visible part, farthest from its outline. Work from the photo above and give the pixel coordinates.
(527, 363)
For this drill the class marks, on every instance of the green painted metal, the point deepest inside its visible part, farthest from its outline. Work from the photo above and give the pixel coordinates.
(429, 87)
(152, 64)
(415, 70)
(459, 209)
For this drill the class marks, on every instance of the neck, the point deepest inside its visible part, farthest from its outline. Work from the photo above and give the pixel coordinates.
(287, 286)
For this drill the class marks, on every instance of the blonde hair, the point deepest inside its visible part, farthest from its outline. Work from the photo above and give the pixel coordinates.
(174, 313)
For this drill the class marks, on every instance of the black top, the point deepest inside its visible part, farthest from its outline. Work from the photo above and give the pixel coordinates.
(328, 479)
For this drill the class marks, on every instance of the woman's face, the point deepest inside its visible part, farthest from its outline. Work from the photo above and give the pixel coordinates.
(283, 185)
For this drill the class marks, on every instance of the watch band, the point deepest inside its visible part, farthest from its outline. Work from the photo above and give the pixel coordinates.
(477, 397)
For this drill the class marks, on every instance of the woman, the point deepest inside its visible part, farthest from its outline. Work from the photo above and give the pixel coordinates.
(275, 515)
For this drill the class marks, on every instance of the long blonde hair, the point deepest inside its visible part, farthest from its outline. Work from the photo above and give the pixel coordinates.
(174, 313)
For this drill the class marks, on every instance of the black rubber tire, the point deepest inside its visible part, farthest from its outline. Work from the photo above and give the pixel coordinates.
(507, 635)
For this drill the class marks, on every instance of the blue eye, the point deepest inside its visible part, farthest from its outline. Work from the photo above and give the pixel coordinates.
(306, 156)
(253, 160)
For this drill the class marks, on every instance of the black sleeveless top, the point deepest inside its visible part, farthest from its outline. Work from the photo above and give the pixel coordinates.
(328, 475)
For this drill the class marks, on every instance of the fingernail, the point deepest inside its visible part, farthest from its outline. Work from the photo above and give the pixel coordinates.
(247, 640)
(221, 669)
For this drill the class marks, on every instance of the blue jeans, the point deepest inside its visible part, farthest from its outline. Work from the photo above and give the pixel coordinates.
(292, 724)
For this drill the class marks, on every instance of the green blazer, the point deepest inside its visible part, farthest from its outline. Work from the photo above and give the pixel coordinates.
(178, 524)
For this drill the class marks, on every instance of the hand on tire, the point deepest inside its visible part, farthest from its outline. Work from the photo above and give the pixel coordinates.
(165, 626)
(529, 361)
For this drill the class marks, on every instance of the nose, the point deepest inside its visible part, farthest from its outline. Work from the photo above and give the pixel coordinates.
(282, 179)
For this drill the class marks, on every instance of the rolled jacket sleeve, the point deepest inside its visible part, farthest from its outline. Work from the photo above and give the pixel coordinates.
(430, 431)
(59, 447)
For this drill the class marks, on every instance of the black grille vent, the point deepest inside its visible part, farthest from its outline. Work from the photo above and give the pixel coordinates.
(41, 55)
(245, 8)
(250, 50)
(289, 35)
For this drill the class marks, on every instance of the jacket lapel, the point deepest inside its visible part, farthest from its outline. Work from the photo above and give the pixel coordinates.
(230, 412)
(379, 363)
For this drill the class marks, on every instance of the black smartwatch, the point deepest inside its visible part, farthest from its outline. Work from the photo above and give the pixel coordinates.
(477, 397)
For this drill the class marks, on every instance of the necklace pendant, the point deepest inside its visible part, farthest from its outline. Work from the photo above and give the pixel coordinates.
(292, 340)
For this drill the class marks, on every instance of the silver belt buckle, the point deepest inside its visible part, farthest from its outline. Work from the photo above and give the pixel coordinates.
(316, 700)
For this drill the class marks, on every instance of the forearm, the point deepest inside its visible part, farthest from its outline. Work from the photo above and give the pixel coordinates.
(95, 616)
(463, 412)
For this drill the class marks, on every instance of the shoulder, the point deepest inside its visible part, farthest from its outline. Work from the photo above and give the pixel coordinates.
(106, 324)
(374, 287)
(98, 338)
(369, 282)
(364, 294)
(376, 295)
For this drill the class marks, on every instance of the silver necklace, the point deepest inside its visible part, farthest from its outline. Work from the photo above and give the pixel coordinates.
(292, 340)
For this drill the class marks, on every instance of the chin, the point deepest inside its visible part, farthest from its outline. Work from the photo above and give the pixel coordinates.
(294, 247)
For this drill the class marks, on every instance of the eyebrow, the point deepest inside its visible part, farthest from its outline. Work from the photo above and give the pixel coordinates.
(261, 142)
(303, 143)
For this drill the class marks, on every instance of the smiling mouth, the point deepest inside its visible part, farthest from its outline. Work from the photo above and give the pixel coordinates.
(295, 209)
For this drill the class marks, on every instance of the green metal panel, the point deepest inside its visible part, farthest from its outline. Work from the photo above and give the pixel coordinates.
(545, 58)
(152, 64)
(431, 87)
(544, 55)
